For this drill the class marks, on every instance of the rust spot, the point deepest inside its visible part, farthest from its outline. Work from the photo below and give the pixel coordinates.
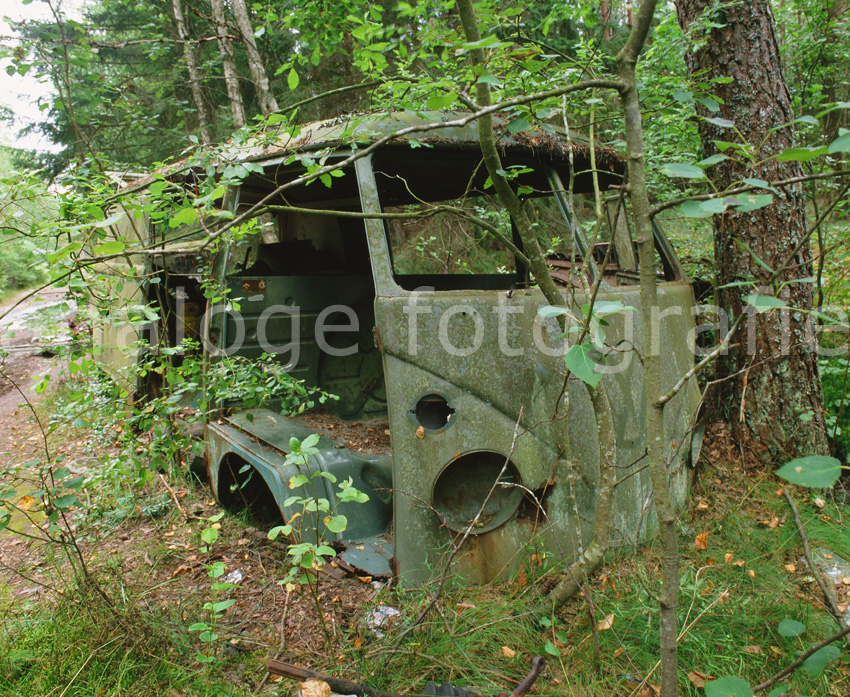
(253, 286)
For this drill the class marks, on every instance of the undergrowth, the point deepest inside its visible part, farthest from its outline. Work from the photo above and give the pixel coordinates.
(742, 574)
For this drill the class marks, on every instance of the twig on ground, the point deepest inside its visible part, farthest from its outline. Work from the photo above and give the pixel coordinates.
(800, 660)
(185, 515)
(807, 552)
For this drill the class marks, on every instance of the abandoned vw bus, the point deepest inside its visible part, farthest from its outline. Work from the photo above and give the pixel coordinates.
(394, 285)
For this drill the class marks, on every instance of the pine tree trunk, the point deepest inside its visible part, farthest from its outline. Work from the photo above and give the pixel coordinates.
(772, 372)
(268, 103)
(194, 75)
(231, 77)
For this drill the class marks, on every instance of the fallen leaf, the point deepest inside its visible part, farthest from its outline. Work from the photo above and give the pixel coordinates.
(728, 557)
(420, 432)
(699, 679)
(702, 541)
(776, 650)
(521, 578)
(358, 642)
(819, 502)
(364, 579)
(751, 573)
(779, 492)
(740, 562)
(774, 521)
(791, 568)
(618, 652)
(26, 503)
(754, 649)
(702, 506)
(606, 623)
(508, 652)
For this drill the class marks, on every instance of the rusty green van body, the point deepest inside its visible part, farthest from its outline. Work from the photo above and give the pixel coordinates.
(459, 368)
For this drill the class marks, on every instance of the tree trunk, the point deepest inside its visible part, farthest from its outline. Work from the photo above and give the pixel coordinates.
(772, 371)
(268, 103)
(194, 75)
(231, 77)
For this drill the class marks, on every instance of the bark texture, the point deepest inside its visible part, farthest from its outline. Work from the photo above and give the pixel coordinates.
(194, 75)
(665, 510)
(774, 373)
(231, 77)
(268, 103)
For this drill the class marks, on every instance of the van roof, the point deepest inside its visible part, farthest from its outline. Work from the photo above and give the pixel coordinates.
(543, 141)
(436, 129)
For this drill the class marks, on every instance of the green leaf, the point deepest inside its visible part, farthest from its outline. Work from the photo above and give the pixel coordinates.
(801, 154)
(185, 216)
(552, 311)
(711, 104)
(65, 502)
(337, 523)
(603, 308)
(481, 43)
(779, 691)
(489, 80)
(297, 480)
(752, 202)
(840, 144)
(112, 247)
(292, 79)
(223, 605)
(437, 102)
(517, 125)
(815, 663)
(74, 483)
(551, 649)
(764, 303)
(713, 160)
(310, 441)
(111, 220)
(578, 360)
(813, 471)
(683, 169)
(723, 123)
(209, 535)
(728, 687)
(705, 209)
(791, 628)
(325, 551)
(199, 627)
(761, 183)
(695, 209)
(62, 252)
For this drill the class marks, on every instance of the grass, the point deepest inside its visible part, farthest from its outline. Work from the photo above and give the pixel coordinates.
(80, 648)
(477, 636)
(735, 591)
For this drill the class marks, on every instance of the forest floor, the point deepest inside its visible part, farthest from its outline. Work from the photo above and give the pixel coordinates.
(742, 572)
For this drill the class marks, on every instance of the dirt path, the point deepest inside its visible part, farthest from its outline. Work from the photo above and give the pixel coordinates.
(24, 333)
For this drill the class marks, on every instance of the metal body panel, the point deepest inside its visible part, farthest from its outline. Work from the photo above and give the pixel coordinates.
(512, 374)
(260, 438)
